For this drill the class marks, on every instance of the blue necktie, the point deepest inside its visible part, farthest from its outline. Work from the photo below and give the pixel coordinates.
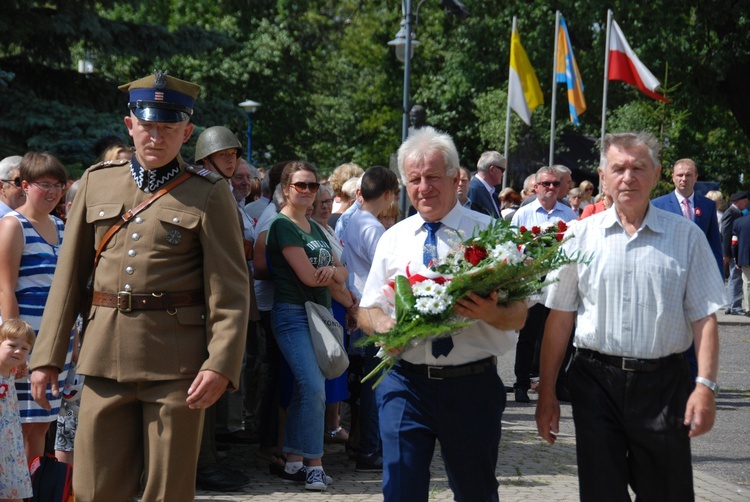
(440, 346)
(430, 243)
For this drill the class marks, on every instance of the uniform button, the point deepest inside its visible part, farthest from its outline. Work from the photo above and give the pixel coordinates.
(101, 213)
(136, 236)
(132, 253)
(127, 287)
(138, 219)
(129, 270)
(176, 219)
(147, 190)
(203, 317)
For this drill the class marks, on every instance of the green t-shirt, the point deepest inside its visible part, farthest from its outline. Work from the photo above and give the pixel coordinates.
(283, 232)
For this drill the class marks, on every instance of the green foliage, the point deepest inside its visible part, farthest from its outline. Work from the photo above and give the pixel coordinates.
(331, 89)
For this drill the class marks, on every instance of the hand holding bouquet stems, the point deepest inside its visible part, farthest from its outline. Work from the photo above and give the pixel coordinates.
(511, 261)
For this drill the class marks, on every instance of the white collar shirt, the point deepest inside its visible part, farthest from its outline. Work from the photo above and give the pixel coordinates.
(533, 214)
(636, 296)
(4, 209)
(402, 245)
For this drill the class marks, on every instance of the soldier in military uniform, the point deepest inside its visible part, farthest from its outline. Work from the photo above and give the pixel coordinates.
(166, 329)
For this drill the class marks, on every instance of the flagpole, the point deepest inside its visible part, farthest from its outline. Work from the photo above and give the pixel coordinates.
(606, 76)
(554, 93)
(507, 114)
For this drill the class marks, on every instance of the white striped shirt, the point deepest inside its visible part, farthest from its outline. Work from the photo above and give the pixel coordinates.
(637, 296)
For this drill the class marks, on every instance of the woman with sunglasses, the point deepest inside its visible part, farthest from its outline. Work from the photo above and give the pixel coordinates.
(30, 240)
(11, 193)
(303, 267)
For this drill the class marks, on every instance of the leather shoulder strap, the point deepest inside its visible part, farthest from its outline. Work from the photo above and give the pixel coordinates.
(130, 213)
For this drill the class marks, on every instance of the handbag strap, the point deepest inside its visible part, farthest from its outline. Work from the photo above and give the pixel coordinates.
(130, 214)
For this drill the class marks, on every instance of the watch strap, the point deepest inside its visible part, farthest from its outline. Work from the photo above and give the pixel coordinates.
(708, 383)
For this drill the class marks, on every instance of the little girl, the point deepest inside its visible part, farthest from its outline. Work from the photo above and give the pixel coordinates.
(16, 339)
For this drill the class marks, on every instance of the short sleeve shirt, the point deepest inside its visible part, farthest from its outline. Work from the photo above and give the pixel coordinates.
(282, 233)
(636, 296)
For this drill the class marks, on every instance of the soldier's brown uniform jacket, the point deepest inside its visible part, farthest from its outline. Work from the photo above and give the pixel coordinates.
(187, 240)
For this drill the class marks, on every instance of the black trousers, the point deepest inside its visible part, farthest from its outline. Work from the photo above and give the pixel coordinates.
(528, 349)
(629, 430)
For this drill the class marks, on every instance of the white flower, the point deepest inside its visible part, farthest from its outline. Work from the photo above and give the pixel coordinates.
(506, 252)
(548, 227)
(433, 305)
(427, 287)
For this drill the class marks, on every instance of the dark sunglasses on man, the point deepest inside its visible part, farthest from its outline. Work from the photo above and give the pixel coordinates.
(15, 181)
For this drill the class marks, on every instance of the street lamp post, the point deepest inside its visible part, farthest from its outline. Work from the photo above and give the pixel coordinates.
(404, 46)
(250, 107)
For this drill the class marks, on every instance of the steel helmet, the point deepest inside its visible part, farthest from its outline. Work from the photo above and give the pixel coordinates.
(215, 139)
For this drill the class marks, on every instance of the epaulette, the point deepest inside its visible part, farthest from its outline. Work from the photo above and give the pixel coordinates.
(109, 163)
(203, 173)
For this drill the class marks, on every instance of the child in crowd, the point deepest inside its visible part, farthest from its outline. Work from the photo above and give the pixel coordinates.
(16, 340)
(390, 216)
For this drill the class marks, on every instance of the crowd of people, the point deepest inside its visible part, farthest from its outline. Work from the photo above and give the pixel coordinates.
(168, 299)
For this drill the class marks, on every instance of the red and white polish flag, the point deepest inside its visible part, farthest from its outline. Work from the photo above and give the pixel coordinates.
(624, 65)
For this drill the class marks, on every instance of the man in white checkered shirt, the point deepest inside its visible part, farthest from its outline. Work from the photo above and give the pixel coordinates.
(648, 288)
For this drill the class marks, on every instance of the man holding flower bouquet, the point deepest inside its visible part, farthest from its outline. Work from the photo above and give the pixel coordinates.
(441, 388)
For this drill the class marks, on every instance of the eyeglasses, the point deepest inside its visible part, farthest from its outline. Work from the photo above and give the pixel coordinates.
(502, 169)
(325, 202)
(50, 186)
(15, 182)
(300, 186)
(550, 184)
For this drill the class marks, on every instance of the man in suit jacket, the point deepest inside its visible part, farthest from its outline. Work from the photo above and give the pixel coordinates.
(701, 210)
(741, 254)
(738, 202)
(462, 192)
(490, 169)
(167, 326)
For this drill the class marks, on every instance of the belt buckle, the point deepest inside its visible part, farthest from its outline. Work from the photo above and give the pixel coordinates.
(129, 296)
(630, 364)
(429, 372)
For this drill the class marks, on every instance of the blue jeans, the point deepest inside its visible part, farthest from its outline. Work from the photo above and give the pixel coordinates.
(463, 413)
(305, 420)
(369, 440)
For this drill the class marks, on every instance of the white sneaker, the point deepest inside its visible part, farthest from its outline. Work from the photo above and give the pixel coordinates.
(317, 480)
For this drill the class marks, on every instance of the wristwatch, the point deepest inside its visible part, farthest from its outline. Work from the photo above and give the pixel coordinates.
(708, 383)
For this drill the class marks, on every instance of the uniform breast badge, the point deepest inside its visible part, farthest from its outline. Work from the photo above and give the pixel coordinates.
(174, 237)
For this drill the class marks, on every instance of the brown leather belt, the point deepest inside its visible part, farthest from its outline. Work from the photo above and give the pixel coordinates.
(124, 301)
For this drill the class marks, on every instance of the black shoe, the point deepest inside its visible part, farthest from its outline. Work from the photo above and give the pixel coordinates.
(372, 462)
(239, 437)
(214, 478)
(275, 469)
(522, 395)
(298, 477)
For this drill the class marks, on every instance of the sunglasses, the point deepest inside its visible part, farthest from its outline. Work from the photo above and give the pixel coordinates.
(502, 169)
(15, 181)
(550, 184)
(301, 187)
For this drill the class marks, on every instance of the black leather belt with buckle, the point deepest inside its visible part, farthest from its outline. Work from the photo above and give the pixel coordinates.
(445, 372)
(631, 363)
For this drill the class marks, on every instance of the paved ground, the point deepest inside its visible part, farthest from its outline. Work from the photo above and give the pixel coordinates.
(529, 469)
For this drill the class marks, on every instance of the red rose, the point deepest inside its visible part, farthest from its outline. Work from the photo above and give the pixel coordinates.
(536, 230)
(559, 236)
(474, 254)
(562, 226)
(523, 229)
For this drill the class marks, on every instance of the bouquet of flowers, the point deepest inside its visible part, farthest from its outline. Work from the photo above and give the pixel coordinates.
(512, 261)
